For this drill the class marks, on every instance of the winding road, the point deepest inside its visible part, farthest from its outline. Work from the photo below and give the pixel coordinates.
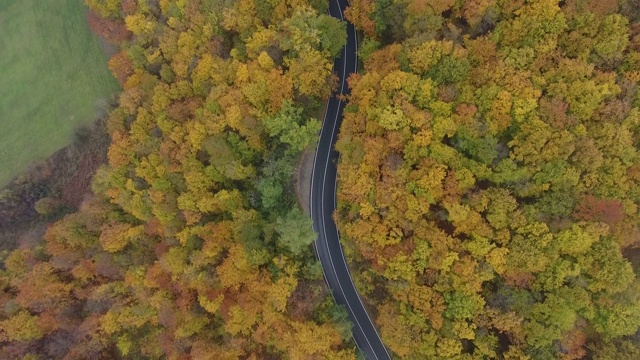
(323, 204)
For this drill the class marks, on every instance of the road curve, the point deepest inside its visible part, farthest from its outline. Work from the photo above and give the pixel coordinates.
(323, 204)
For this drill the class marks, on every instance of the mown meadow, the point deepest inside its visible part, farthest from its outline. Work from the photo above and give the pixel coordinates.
(53, 78)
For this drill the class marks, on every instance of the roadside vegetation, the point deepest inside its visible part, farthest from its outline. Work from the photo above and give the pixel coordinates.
(192, 244)
(488, 177)
(53, 78)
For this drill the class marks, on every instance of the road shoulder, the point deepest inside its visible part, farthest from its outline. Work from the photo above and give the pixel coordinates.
(303, 173)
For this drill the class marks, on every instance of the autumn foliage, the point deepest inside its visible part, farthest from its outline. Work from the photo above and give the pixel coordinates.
(191, 246)
(113, 31)
(488, 178)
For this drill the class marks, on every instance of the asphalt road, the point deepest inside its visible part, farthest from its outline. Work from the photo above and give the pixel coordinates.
(323, 204)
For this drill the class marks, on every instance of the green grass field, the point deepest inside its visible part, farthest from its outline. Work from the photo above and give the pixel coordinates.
(53, 75)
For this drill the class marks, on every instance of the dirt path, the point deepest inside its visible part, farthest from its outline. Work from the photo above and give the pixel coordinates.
(303, 177)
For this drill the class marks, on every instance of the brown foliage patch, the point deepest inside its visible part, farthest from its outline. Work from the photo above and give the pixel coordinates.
(304, 300)
(114, 31)
(590, 208)
(129, 6)
(121, 67)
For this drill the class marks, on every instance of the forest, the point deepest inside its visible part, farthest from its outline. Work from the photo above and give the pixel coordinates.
(192, 244)
(489, 177)
(488, 202)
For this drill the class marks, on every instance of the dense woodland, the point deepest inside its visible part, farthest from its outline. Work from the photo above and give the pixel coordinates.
(192, 245)
(489, 185)
(489, 178)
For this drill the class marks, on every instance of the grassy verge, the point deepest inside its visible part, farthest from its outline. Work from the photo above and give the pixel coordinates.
(53, 75)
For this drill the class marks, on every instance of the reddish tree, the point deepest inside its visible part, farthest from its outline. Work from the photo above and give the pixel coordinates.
(129, 6)
(573, 345)
(590, 208)
(121, 67)
(598, 7)
(114, 31)
(519, 279)
(303, 300)
(634, 36)
(554, 113)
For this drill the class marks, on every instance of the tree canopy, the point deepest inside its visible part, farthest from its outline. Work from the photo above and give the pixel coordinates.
(488, 196)
(191, 246)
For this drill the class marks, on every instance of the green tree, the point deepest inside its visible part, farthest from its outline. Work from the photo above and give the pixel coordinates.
(295, 231)
(291, 128)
